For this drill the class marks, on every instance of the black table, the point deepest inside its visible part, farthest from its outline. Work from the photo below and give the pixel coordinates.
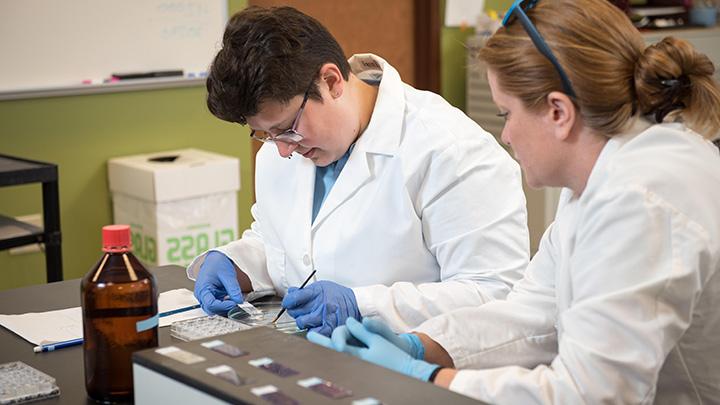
(66, 365)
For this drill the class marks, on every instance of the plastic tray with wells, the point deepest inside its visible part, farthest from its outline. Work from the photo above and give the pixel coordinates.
(245, 316)
(21, 383)
(204, 327)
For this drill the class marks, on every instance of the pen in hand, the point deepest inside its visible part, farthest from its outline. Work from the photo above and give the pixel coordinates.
(282, 311)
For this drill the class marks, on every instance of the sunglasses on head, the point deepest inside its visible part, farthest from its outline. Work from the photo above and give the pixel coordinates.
(518, 12)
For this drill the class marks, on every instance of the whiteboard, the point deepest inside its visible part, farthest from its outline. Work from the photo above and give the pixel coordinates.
(46, 44)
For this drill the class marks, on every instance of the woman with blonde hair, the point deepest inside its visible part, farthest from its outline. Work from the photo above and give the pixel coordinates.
(620, 304)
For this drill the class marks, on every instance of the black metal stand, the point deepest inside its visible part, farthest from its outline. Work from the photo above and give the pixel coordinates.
(15, 171)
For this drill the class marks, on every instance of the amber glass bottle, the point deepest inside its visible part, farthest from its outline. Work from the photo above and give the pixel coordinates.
(120, 316)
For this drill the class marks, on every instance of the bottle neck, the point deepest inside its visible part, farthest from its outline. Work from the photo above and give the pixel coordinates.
(116, 249)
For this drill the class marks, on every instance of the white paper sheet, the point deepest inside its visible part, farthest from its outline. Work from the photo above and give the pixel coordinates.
(64, 324)
(463, 12)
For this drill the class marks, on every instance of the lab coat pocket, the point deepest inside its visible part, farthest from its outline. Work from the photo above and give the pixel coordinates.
(275, 259)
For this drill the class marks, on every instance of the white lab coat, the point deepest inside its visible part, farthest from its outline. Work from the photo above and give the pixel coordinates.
(621, 304)
(427, 215)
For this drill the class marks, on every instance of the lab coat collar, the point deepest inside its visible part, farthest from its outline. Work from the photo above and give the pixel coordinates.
(601, 169)
(384, 131)
(382, 135)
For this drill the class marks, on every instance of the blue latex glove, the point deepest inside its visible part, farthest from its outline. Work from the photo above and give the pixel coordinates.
(330, 319)
(379, 351)
(217, 280)
(408, 342)
(311, 310)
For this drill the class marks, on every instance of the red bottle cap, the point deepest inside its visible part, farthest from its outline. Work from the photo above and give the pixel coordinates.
(116, 238)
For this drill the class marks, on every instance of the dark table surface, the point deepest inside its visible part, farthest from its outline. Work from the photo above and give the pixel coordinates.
(66, 365)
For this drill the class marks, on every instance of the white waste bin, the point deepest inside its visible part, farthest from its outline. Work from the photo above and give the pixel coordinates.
(178, 203)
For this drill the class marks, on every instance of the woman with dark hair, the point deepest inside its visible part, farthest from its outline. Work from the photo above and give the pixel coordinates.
(387, 191)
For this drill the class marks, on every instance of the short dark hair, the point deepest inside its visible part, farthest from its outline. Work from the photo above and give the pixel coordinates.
(268, 54)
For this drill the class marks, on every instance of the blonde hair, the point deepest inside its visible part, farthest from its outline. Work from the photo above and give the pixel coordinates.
(614, 75)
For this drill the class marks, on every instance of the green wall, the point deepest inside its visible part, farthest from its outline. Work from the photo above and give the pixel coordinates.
(453, 62)
(79, 134)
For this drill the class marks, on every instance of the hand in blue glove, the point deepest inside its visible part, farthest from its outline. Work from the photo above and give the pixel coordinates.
(330, 319)
(408, 342)
(216, 280)
(309, 306)
(379, 350)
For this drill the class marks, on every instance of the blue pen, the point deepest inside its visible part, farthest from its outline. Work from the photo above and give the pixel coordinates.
(74, 342)
(179, 310)
(57, 345)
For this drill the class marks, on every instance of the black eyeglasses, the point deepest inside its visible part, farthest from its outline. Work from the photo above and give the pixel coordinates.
(517, 10)
(290, 136)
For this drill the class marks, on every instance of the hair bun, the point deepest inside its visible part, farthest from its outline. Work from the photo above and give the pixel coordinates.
(665, 74)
